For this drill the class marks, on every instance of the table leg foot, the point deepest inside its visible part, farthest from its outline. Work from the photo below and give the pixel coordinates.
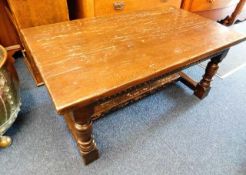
(83, 134)
(91, 156)
(203, 87)
(201, 92)
(86, 143)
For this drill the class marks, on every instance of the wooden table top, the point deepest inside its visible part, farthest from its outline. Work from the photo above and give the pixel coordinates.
(84, 60)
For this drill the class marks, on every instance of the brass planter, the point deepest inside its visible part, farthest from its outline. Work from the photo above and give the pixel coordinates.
(9, 96)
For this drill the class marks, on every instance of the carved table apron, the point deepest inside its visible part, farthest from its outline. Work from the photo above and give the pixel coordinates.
(91, 66)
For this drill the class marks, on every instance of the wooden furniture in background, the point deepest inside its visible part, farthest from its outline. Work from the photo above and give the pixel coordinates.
(8, 35)
(93, 65)
(30, 13)
(90, 8)
(214, 9)
(238, 14)
(242, 14)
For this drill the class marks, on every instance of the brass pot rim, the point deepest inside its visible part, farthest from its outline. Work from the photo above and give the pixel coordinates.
(2, 62)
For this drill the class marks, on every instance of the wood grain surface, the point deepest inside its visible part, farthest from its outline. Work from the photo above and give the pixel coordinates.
(84, 60)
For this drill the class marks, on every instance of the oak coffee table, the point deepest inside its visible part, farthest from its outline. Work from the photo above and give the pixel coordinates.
(91, 66)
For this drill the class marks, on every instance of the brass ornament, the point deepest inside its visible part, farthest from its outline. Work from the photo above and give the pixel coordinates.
(9, 97)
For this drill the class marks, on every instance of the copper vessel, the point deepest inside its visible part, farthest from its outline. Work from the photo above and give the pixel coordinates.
(9, 96)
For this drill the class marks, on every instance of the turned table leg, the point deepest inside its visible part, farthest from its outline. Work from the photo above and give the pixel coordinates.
(203, 87)
(83, 134)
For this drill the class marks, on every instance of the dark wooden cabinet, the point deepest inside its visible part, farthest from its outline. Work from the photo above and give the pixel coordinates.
(8, 35)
